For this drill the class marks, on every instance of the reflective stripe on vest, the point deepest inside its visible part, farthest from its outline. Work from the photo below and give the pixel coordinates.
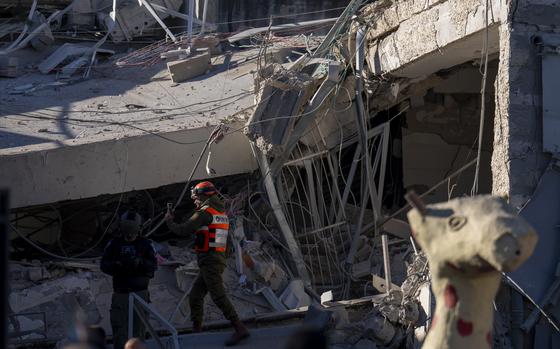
(214, 236)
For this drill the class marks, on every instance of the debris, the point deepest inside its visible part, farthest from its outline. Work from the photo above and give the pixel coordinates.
(186, 69)
(9, 66)
(272, 299)
(23, 326)
(72, 67)
(176, 54)
(46, 292)
(379, 284)
(66, 53)
(44, 38)
(378, 328)
(284, 92)
(185, 276)
(211, 43)
(134, 20)
(326, 297)
(78, 265)
(294, 295)
(38, 273)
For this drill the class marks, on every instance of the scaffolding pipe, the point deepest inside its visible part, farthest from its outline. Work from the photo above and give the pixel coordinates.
(361, 123)
(280, 217)
(386, 261)
(156, 17)
(204, 12)
(190, 25)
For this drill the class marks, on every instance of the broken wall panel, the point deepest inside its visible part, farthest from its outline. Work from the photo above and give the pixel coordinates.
(452, 34)
(83, 169)
(283, 95)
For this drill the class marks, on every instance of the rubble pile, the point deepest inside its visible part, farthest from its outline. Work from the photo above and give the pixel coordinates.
(60, 293)
(327, 223)
(392, 319)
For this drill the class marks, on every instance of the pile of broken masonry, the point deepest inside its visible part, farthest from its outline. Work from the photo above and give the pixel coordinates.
(61, 293)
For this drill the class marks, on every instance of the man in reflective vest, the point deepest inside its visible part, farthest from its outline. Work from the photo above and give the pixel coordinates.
(210, 225)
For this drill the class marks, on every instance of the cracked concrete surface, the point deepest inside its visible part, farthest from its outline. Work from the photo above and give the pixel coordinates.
(407, 34)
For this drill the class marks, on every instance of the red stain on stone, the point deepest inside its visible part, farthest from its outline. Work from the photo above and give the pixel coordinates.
(464, 328)
(433, 323)
(450, 296)
(489, 339)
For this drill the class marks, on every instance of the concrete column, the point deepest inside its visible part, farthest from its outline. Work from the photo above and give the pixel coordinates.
(518, 159)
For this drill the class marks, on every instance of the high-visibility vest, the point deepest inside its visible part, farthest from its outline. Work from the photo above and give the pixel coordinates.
(214, 236)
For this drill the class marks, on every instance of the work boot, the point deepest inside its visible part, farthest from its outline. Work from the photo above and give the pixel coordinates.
(240, 333)
(197, 327)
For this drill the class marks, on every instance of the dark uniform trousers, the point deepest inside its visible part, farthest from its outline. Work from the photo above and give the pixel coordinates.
(119, 318)
(211, 267)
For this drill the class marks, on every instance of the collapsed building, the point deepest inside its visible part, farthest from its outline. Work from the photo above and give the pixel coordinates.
(320, 138)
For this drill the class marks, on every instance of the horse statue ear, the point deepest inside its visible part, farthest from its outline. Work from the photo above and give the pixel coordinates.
(416, 202)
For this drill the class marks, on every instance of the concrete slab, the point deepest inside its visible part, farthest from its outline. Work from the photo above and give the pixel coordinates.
(453, 33)
(125, 129)
(188, 68)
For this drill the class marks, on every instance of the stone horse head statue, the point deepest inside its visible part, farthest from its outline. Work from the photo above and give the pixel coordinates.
(469, 242)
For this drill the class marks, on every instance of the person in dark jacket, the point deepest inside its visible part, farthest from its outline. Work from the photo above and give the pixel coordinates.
(131, 261)
(210, 225)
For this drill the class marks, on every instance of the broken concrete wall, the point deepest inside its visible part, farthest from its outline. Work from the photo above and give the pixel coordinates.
(450, 35)
(109, 166)
(518, 160)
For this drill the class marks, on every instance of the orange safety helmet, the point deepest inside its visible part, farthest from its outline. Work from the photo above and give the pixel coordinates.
(203, 188)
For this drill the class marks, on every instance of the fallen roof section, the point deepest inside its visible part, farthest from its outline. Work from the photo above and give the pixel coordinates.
(121, 132)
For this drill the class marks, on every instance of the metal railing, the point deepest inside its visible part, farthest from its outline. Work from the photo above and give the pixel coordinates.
(137, 305)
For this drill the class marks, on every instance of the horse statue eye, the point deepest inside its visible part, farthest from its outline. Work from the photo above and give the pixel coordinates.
(456, 222)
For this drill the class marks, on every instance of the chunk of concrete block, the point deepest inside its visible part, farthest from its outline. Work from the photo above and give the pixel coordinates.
(208, 42)
(46, 292)
(62, 54)
(326, 297)
(186, 69)
(37, 273)
(275, 276)
(180, 53)
(294, 295)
